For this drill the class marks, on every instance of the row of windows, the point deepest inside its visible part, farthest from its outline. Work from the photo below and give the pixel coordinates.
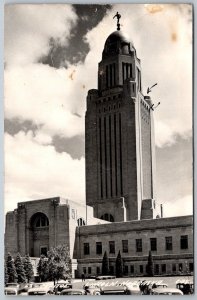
(109, 98)
(138, 243)
(158, 268)
(145, 105)
(109, 108)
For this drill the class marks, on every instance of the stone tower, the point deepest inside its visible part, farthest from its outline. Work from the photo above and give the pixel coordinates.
(119, 137)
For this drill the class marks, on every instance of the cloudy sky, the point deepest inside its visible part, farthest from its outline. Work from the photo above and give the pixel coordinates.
(51, 60)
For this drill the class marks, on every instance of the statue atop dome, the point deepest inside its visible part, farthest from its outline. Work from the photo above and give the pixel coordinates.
(118, 16)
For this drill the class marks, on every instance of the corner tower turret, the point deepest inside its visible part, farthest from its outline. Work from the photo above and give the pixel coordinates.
(119, 137)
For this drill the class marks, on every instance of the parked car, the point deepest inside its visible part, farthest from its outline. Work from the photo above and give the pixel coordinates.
(134, 289)
(92, 289)
(120, 290)
(105, 277)
(11, 291)
(40, 291)
(13, 284)
(166, 291)
(24, 287)
(73, 292)
(61, 286)
(186, 287)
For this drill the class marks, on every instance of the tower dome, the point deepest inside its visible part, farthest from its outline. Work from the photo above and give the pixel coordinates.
(117, 43)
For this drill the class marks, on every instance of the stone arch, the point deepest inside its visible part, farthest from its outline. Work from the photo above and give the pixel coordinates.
(38, 234)
(107, 217)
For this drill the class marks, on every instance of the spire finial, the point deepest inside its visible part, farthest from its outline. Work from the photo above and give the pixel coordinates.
(118, 16)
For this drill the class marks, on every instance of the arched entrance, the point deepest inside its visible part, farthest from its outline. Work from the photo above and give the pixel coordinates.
(38, 235)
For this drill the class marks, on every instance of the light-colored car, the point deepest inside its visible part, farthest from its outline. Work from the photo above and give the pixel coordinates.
(92, 289)
(40, 291)
(73, 292)
(165, 291)
(134, 289)
(120, 290)
(13, 284)
(12, 291)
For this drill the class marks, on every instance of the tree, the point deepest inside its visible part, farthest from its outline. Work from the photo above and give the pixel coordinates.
(42, 268)
(11, 270)
(150, 265)
(105, 264)
(20, 269)
(59, 263)
(29, 273)
(5, 274)
(119, 265)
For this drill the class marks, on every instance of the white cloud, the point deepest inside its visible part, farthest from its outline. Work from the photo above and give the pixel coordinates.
(35, 171)
(46, 96)
(28, 29)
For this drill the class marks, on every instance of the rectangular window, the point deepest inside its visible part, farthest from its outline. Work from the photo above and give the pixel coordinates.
(163, 268)
(180, 267)
(168, 243)
(98, 248)
(89, 270)
(138, 245)
(84, 270)
(126, 270)
(141, 269)
(153, 244)
(184, 242)
(98, 270)
(132, 269)
(125, 246)
(86, 248)
(191, 267)
(173, 267)
(43, 251)
(111, 247)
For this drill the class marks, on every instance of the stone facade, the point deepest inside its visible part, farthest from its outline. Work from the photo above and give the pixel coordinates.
(36, 226)
(169, 239)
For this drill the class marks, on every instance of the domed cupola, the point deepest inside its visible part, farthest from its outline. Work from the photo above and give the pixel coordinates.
(117, 43)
